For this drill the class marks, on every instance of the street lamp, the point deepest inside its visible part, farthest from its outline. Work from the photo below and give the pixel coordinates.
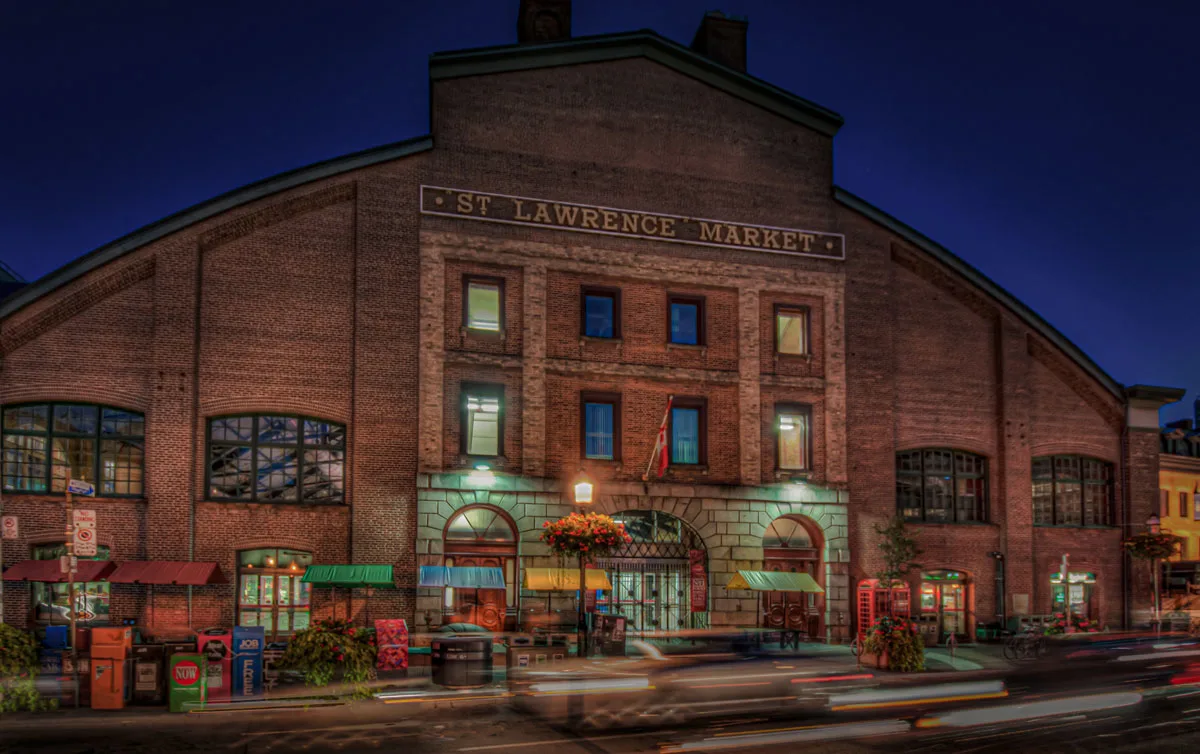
(1154, 525)
(583, 488)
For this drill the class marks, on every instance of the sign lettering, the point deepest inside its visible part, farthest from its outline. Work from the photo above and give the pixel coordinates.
(186, 673)
(699, 581)
(515, 210)
(85, 533)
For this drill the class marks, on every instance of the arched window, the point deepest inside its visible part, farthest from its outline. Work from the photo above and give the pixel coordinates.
(1072, 491)
(46, 443)
(943, 486)
(787, 532)
(276, 459)
(480, 525)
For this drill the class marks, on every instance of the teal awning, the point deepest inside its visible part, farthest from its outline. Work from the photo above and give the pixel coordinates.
(348, 576)
(461, 577)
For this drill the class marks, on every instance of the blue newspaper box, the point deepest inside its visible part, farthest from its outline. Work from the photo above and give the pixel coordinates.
(56, 638)
(248, 645)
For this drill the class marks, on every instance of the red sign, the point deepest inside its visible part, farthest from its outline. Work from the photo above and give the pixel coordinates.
(699, 581)
(187, 673)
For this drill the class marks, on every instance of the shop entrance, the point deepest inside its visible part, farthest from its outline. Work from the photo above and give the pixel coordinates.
(481, 536)
(946, 604)
(1075, 596)
(652, 576)
(792, 544)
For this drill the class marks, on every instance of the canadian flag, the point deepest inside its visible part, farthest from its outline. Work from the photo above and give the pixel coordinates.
(661, 449)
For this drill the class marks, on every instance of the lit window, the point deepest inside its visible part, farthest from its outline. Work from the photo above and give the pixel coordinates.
(791, 331)
(601, 426)
(601, 313)
(687, 431)
(686, 320)
(482, 421)
(276, 459)
(47, 443)
(271, 592)
(484, 303)
(794, 426)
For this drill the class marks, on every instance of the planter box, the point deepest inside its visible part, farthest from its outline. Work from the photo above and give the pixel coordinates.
(877, 661)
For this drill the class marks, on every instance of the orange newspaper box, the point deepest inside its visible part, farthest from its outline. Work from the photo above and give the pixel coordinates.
(110, 650)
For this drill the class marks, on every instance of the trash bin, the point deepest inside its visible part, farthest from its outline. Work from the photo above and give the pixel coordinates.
(461, 662)
(148, 674)
(187, 677)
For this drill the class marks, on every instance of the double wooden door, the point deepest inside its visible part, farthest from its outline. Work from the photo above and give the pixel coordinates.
(483, 607)
(794, 611)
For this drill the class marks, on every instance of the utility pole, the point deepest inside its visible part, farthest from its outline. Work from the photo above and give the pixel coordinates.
(70, 545)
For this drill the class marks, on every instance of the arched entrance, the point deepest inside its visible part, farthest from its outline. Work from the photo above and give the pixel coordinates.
(481, 536)
(793, 544)
(652, 576)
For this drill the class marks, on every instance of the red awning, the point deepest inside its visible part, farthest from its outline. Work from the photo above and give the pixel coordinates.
(48, 571)
(178, 572)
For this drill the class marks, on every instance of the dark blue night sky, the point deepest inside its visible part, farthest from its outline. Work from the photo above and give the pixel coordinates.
(1052, 145)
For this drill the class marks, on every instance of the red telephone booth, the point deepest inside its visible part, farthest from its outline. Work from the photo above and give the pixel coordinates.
(875, 601)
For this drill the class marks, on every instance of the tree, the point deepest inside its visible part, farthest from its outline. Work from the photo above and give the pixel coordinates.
(899, 549)
(1153, 546)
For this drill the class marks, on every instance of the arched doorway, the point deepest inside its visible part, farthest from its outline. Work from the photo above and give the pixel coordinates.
(481, 536)
(652, 576)
(793, 544)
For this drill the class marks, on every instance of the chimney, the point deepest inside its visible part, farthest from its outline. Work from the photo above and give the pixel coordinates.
(543, 21)
(723, 39)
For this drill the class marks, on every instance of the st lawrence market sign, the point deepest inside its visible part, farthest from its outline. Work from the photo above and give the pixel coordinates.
(584, 218)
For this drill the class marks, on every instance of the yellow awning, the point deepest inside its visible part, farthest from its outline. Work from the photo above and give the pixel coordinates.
(774, 581)
(563, 579)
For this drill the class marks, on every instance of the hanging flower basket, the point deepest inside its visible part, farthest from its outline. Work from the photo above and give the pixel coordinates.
(584, 535)
(1152, 545)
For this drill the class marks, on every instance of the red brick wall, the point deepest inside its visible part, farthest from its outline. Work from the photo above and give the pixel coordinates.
(644, 324)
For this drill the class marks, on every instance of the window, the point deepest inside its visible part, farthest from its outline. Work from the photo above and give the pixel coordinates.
(601, 312)
(685, 316)
(1196, 506)
(601, 426)
(1071, 491)
(794, 427)
(483, 304)
(482, 420)
(44, 444)
(270, 592)
(688, 430)
(1164, 503)
(937, 485)
(1183, 505)
(791, 330)
(52, 602)
(276, 459)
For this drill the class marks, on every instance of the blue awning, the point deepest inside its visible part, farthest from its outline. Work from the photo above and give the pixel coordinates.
(461, 577)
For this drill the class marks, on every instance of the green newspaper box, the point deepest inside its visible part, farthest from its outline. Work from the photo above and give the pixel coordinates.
(186, 676)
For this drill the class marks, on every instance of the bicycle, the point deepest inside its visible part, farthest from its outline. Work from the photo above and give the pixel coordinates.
(1025, 646)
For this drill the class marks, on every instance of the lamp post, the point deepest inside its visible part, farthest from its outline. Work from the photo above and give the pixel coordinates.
(583, 489)
(1154, 525)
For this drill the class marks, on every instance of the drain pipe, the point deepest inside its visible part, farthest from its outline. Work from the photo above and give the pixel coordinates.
(1001, 597)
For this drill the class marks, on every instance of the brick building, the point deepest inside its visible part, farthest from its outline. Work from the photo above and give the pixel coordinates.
(408, 355)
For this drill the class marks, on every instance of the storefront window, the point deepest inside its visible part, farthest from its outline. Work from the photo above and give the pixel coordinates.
(1075, 595)
(45, 444)
(276, 459)
(51, 602)
(1072, 491)
(270, 592)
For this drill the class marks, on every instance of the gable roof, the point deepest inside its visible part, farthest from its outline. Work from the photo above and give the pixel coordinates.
(977, 278)
(483, 61)
(206, 209)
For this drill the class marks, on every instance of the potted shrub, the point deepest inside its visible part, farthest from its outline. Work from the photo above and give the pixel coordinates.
(18, 673)
(331, 649)
(895, 644)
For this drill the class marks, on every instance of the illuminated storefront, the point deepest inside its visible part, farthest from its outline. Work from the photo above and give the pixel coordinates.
(946, 604)
(1075, 596)
(270, 592)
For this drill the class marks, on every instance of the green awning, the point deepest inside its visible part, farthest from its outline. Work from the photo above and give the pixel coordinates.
(348, 576)
(774, 581)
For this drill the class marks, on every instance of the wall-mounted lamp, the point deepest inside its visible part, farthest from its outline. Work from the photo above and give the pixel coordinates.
(584, 488)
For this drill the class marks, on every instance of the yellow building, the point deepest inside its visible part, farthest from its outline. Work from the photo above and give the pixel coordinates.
(1179, 502)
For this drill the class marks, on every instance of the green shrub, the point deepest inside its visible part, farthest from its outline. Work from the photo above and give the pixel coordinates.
(18, 671)
(899, 639)
(329, 645)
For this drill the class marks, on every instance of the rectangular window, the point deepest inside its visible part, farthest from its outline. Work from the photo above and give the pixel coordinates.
(44, 445)
(601, 426)
(1075, 491)
(271, 593)
(793, 424)
(601, 312)
(687, 431)
(1183, 505)
(939, 485)
(483, 304)
(1196, 506)
(686, 320)
(275, 459)
(482, 420)
(52, 602)
(791, 330)
(1164, 503)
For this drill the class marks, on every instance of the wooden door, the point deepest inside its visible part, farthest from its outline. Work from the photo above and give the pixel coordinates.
(483, 607)
(793, 611)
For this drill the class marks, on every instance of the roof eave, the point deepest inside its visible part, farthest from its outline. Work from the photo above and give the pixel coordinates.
(206, 209)
(954, 262)
(643, 44)
(1155, 394)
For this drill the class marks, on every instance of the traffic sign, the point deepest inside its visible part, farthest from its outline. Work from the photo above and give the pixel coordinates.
(85, 533)
(80, 487)
(8, 527)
